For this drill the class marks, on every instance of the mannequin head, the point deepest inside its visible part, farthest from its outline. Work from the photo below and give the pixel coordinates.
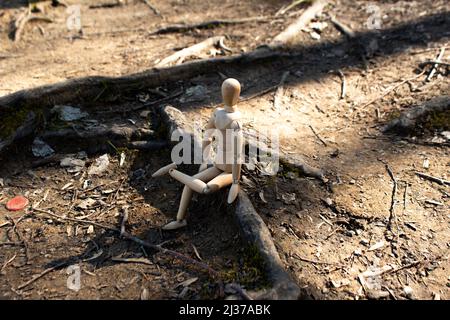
(231, 89)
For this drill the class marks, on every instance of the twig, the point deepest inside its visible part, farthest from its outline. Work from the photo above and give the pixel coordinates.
(149, 104)
(7, 262)
(433, 68)
(315, 261)
(279, 92)
(388, 90)
(342, 28)
(153, 8)
(343, 84)
(5, 224)
(394, 192)
(124, 220)
(143, 243)
(285, 9)
(40, 275)
(434, 179)
(204, 25)
(179, 56)
(317, 135)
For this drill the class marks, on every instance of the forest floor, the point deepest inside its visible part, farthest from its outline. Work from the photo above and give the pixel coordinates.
(349, 238)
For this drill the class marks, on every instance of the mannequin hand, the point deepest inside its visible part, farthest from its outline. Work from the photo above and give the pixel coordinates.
(203, 166)
(234, 190)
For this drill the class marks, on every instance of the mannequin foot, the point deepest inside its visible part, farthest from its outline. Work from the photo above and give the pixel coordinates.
(175, 225)
(164, 170)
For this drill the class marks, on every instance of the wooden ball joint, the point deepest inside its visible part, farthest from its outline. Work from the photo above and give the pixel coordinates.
(226, 169)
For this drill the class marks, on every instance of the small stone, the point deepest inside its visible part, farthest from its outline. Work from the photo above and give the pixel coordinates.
(314, 35)
(408, 291)
(426, 164)
(90, 229)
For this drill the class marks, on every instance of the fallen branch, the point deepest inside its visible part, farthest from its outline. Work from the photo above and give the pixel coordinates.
(205, 25)
(196, 49)
(295, 28)
(408, 118)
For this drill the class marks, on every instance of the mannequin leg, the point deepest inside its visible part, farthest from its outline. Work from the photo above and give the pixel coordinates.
(194, 183)
(186, 196)
(222, 180)
(164, 170)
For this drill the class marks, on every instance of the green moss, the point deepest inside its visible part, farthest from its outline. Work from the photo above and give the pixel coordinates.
(437, 121)
(12, 120)
(249, 272)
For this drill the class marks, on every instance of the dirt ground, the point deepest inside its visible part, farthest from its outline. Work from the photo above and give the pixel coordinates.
(328, 234)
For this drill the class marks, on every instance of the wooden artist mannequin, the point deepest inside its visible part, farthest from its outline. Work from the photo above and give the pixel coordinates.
(227, 165)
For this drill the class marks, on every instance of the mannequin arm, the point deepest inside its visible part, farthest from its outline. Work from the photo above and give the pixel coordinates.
(237, 161)
(206, 144)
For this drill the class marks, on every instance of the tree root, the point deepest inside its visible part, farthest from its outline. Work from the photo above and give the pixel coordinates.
(408, 119)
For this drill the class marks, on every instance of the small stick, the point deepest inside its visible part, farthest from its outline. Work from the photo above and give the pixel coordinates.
(317, 135)
(434, 67)
(343, 85)
(153, 8)
(343, 28)
(434, 179)
(7, 262)
(388, 90)
(315, 261)
(40, 275)
(394, 191)
(5, 224)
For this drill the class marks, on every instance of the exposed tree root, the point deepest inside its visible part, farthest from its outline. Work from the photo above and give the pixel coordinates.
(205, 25)
(255, 232)
(408, 119)
(179, 56)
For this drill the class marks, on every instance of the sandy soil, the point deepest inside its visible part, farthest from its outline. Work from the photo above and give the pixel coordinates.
(327, 234)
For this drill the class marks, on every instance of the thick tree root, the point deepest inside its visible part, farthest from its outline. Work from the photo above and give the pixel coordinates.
(255, 232)
(408, 119)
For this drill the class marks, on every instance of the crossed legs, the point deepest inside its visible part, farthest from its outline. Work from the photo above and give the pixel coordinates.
(207, 181)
